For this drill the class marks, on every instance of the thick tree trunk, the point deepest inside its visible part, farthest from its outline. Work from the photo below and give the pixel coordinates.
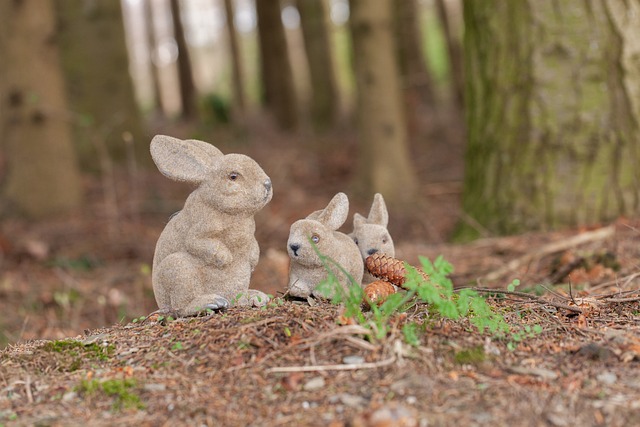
(237, 70)
(325, 100)
(42, 177)
(385, 165)
(277, 75)
(189, 106)
(553, 106)
(99, 88)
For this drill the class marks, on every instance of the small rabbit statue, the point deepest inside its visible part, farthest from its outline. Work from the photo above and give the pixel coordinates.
(371, 234)
(206, 253)
(306, 269)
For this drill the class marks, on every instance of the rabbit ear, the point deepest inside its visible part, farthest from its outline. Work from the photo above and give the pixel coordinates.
(358, 220)
(183, 160)
(336, 212)
(378, 213)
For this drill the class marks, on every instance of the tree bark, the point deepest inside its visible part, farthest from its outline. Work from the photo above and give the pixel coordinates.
(152, 43)
(99, 87)
(553, 113)
(385, 165)
(454, 49)
(325, 99)
(42, 177)
(189, 106)
(413, 69)
(237, 70)
(275, 67)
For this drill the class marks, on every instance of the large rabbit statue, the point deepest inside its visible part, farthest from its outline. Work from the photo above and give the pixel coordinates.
(206, 253)
(371, 234)
(306, 269)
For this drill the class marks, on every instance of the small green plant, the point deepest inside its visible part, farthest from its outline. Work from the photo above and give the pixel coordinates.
(120, 389)
(513, 285)
(410, 332)
(526, 332)
(437, 292)
(177, 346)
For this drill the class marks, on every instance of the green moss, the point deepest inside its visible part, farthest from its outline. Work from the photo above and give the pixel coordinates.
(76, 348)
(122, 390)
(470, 356)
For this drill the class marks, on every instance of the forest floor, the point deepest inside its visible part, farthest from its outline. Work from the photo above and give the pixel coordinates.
(77, 350)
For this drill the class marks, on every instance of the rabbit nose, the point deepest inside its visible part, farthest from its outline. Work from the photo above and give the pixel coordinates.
(294, 248)
(371, 251)
(267, 184)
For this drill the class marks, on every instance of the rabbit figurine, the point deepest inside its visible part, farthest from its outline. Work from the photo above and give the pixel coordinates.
(306, 269)
(371, 234)
(206, 253)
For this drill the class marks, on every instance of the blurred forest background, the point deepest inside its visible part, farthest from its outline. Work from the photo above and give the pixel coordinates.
(472, 118)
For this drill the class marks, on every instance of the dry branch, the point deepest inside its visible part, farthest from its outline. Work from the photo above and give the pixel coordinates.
(337, 367)
(551, 248)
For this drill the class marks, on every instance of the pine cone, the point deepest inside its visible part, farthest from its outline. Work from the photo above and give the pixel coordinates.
(377, 292)
(388, 268)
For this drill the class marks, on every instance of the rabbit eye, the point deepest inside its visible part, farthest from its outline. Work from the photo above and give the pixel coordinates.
(233, 176)
(315, 238)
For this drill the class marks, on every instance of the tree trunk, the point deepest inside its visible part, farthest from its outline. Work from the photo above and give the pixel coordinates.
(454, 49)
(152, 47)
(553, 113)
(99, 87)
(237, 70)
(42, 176)
(325, 100)
(385, 165)
(275, 67)
(413, 69)
(185, 74)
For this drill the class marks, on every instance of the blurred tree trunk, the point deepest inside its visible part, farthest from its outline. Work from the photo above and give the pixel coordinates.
(385, 164)
(185, 74)
(237, 70)
(416, 80)
(99, 87)
(317, 43)
(42, 177)
(553, 113)
(276, 73)
(454, 48)
(152, 43)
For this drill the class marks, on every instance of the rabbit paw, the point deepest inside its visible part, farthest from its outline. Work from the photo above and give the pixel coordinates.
(219, 304)
(252, 298)
(222, 258)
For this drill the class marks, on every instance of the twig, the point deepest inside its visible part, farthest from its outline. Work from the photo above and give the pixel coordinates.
(532, 298)
(627, 279)
(630, 299)
(337, 367)
(27, 386)
(550, 248)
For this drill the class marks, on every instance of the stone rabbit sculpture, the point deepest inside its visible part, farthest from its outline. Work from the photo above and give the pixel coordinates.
(371, 234)
(206, 253)
(306, 270)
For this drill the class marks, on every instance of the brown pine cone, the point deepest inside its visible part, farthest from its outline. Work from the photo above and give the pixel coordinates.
(377, 292)
(388, 268)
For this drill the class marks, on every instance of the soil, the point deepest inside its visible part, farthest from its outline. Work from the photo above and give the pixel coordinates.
(78, 350)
